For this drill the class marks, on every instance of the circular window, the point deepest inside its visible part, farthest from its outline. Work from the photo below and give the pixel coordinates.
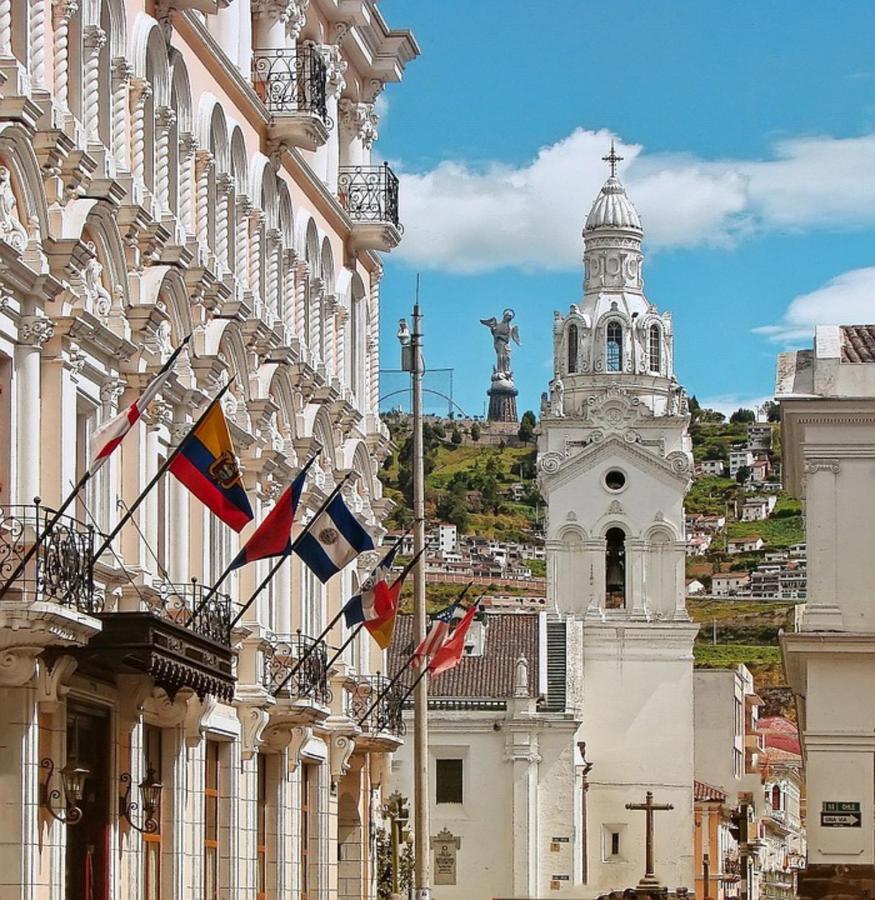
(615, 480)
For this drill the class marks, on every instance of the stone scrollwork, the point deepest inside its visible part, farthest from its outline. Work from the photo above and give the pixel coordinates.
(550, 462)
(35, 331)
(11, 228)
(679, 462)
(361, 119)
(342, 747)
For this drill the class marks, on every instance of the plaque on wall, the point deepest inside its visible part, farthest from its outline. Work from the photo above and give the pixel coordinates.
(445, 846)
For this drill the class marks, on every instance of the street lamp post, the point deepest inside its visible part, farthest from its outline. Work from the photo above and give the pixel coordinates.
(412, 361)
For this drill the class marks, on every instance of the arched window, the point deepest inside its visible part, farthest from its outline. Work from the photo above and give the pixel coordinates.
(572, 349)
(776, 797)
(615, 347)
(655, 348)
(615, 569)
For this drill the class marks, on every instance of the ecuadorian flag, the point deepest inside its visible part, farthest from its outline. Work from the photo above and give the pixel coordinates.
(207, 465)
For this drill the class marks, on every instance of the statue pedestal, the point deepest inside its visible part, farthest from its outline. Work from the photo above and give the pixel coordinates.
(502, 401)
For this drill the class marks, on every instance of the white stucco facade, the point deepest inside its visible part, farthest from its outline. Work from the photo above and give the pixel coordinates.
(827, 397)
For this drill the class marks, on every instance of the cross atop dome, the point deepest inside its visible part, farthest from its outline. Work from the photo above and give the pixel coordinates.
(612, 159)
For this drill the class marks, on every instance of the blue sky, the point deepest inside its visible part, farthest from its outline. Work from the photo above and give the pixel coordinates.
(749, 136)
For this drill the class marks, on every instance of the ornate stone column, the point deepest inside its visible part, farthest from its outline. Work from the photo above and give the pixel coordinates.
(271, 299)
(244, 210)
(255, 258)
(33, 333)
(187, 148)
(224, 184)
(822, 612)
(140, 93)
(165, 119)
(39, 20)
(340, 344)
(359, 124)
(330, 335)
(302, 278)
(95, 39)
(121, 77)
(62, 12)
(202, 167)
(287, 311)
(6, 28)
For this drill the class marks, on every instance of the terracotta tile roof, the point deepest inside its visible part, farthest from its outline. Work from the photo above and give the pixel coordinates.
(707, 792)
(858, 343)
(508, 636)
(780, 733)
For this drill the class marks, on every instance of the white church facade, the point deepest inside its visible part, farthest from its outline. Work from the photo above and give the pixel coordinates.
(606, 712)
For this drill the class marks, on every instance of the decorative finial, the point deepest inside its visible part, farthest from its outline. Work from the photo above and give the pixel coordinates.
(612, 159)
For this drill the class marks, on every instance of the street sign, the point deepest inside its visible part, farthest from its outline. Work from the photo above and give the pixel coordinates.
(835, 814)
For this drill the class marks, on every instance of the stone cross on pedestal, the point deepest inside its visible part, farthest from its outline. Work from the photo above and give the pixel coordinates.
(649, 808)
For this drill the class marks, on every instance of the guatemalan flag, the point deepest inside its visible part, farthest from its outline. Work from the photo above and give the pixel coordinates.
(107, 438)
(377, 605)
(207, 465)
(333, 539)
(273, 537)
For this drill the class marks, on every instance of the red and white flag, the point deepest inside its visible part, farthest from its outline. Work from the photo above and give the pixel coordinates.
(451, 652)
(107, 438)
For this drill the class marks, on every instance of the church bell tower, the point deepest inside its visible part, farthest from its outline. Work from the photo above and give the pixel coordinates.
(615, 463)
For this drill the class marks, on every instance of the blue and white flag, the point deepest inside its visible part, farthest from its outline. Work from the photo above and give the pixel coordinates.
(333, 540)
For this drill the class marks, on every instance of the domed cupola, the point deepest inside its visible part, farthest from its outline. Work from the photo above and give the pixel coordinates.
(612, 209)
(612, 239)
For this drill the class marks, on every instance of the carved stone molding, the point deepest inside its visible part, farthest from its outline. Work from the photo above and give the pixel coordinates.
(53, 681)
(167, 711)
(822, 465)
(196, 715)
(341, 747)
(361, 119)
(35, 331)
(253, 721)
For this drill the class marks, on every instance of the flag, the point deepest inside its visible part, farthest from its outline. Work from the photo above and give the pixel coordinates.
(437, 635)
(377, 605)
(207, 465)
(110, 435)
(332, 540)
(448, 656)
(273, 537)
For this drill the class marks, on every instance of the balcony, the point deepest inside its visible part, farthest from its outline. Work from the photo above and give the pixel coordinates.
(291, 82)
(172, 636)
(295, 672)
(369, 194)
(49, 599)
(383, 726)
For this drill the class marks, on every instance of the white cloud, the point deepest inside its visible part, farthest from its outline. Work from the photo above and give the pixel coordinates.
(847, 299)
(467, 218)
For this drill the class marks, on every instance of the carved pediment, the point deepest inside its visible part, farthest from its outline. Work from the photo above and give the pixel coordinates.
(560, 469)
(614, 410)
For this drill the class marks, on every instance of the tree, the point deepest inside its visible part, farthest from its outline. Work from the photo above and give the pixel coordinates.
(475, 432)
(772, 411)
(742, 475)
(527, 427)
(743, 415)
(456, 436)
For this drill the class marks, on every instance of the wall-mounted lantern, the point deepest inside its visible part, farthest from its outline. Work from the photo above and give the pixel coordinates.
(150, 795)
(71, 791)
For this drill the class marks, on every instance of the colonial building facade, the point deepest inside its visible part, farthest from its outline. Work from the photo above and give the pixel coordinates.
(171, 169)
(827, 396)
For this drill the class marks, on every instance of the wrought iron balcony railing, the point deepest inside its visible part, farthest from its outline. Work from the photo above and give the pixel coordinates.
(369, 193)
(61, 570)
(386, 715)
(291, 80)
(283, 674)
(183, 605)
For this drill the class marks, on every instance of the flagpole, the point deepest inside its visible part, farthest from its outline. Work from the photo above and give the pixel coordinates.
(308, 653)
(422, 872)
(331, 625)
(41, 537)
(353, 635)
(292, 549)
(161, 470)
(386, 689)
(413, 686)
(230, 567)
